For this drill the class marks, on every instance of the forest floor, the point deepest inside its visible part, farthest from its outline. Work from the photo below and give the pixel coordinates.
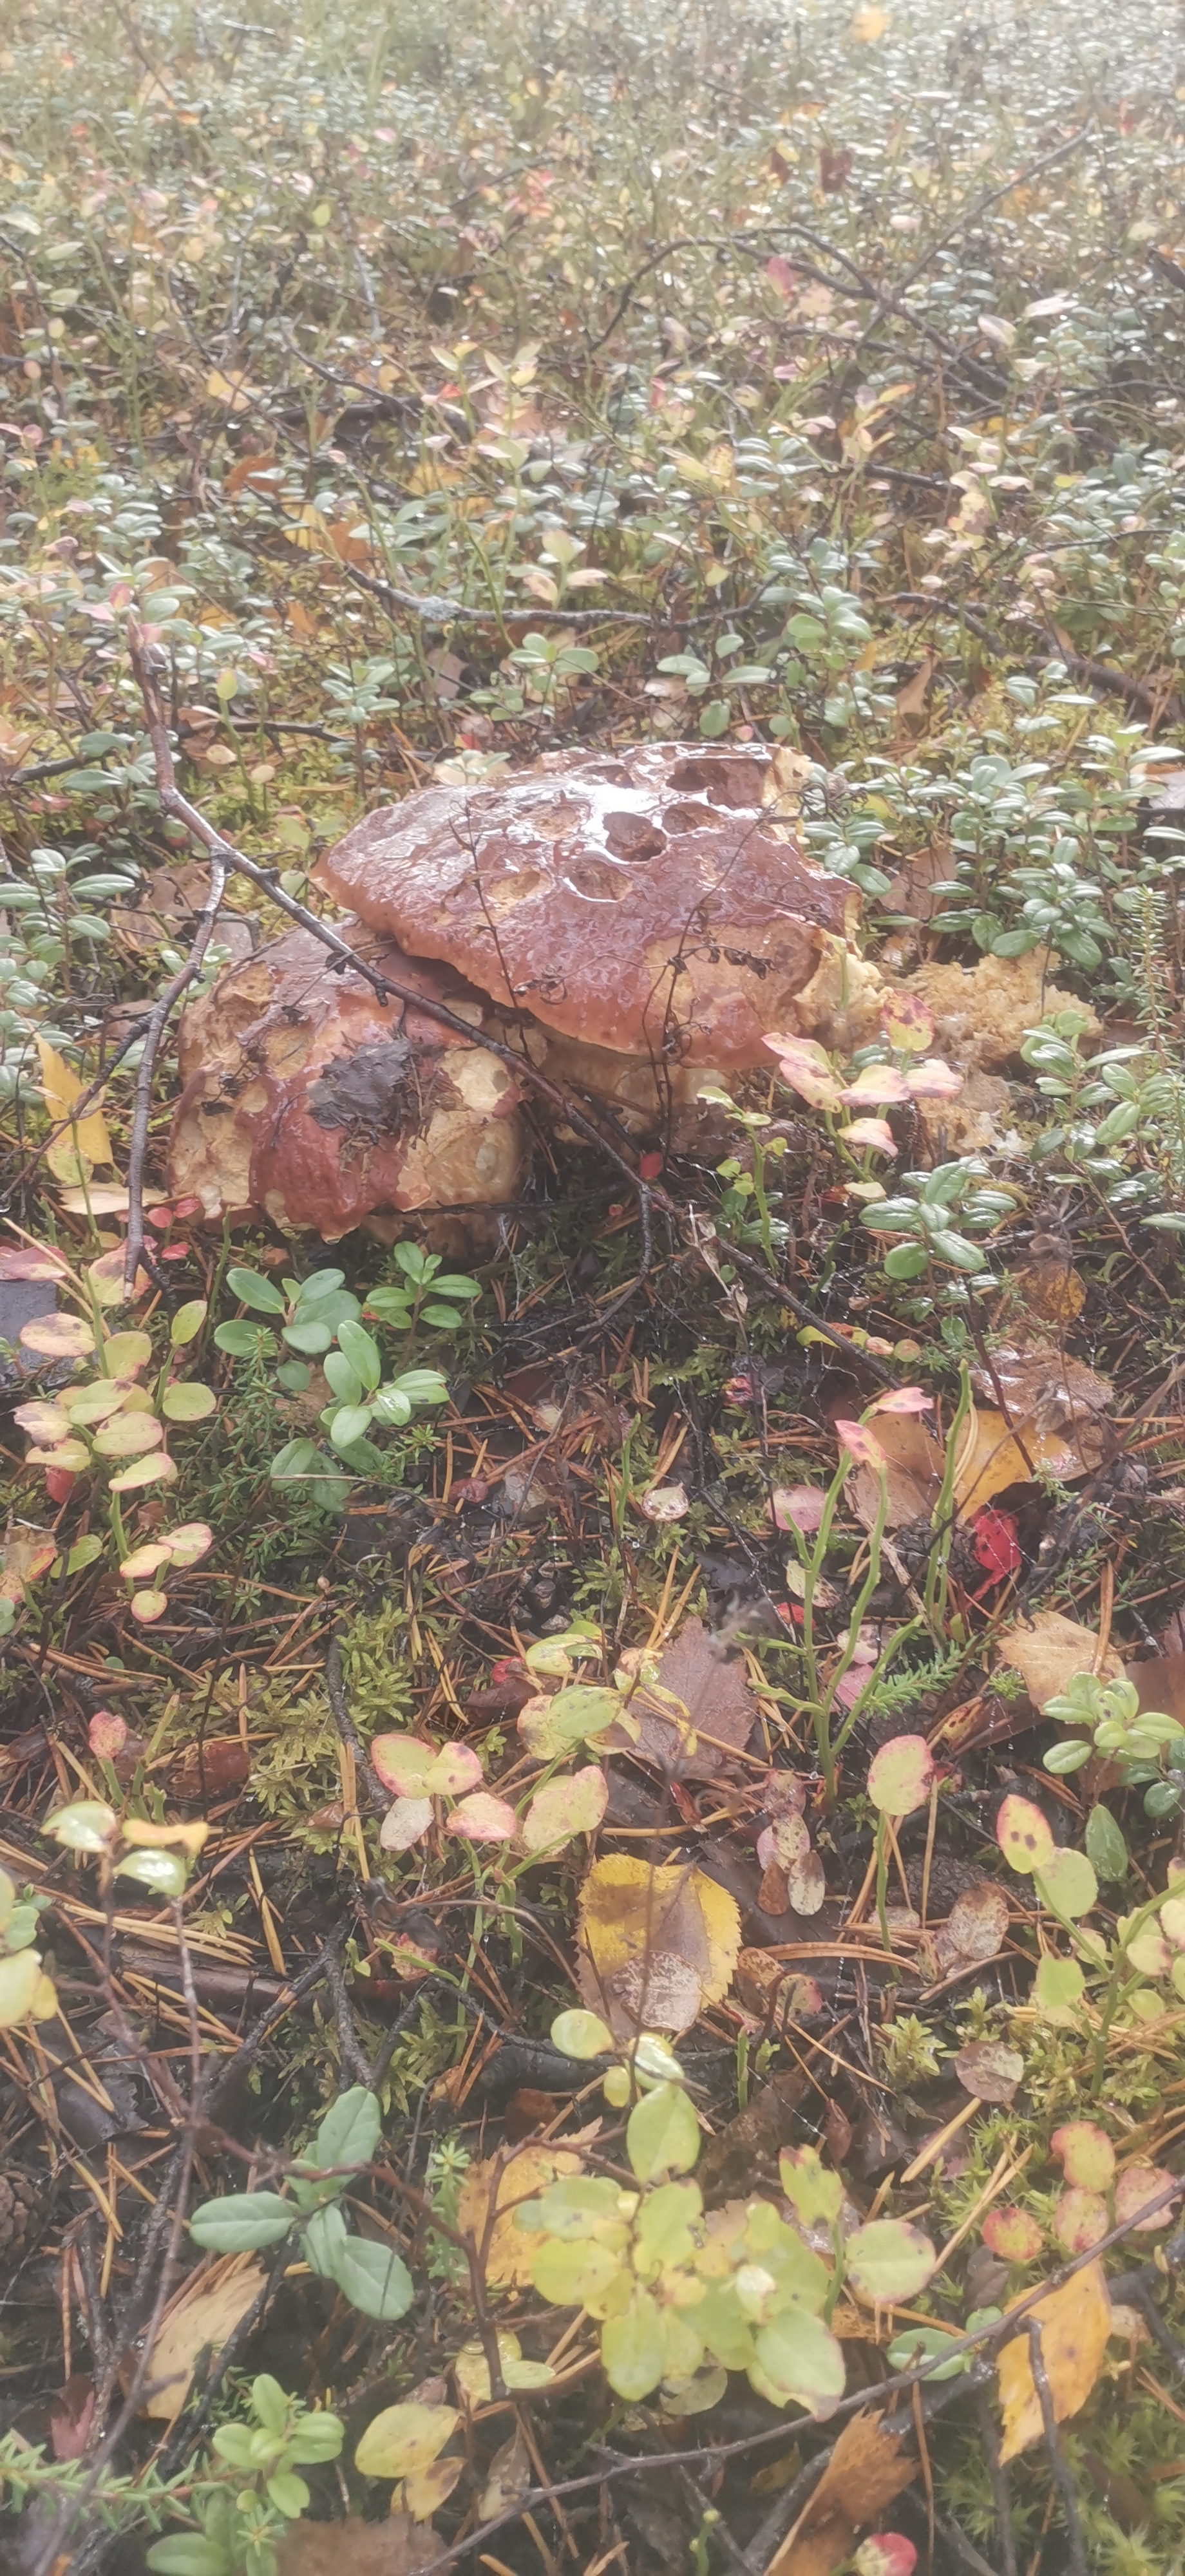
(589, 1974)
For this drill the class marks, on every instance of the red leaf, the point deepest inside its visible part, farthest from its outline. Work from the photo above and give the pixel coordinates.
(649, 1167)
(994, 1539)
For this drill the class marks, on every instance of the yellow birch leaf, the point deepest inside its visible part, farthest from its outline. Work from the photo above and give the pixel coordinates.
(868, 25)
(210, 2306)
(487, 2201)
(655, 1944)
(1075, 2322)
(60, 1089)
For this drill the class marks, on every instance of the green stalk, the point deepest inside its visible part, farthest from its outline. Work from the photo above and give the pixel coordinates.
(942, 1519)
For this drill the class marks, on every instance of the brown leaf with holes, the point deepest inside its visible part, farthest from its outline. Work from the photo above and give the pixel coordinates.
(396, 2547)
(866, 2470)
(655, 1944)
(1049, 1649)
(1075, 2322)
(710, 1687)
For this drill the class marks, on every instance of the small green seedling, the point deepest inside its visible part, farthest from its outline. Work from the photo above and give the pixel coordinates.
(320, 1319)
(372, 2277)
(900, 1779)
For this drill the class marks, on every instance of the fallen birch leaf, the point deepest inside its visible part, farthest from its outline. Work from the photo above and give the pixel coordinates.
(697, 1708)
(913, 1473)
(632, 1915)
(1075, 2322)
(1048, 1650)
(865, 2472)
(60, 1089)
(396, 2547)
(205, 2313)
(975, 1929)
(488, 2198)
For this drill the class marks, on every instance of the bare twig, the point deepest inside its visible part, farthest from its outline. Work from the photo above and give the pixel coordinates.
(1001, 2495)
(158, 1020)
(1075, 2541)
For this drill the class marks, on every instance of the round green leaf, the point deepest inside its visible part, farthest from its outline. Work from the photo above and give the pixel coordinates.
(581, 2034)
(564, 1808)
(296, 1458)
(349, 1424)
(128, 1435)
(161, 1872)
(241, 2222)
(187, 1323)
(188, 1402)
(1106, 1849)
(634, 2348)
(900, 1775)
(889, 2259)
(309, 1338)
(663, 2134)
(1023, 1835)
(801, 2359)
(374, 2279)
(1058, 1988)
(261, 1295)
(1068, 1883)
(342, 1378)
(239, 1338)
(572, 2272)
(87, 1826)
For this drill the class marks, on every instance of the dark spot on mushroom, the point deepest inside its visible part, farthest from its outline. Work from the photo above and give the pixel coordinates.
(630, 836)
(374, 1090)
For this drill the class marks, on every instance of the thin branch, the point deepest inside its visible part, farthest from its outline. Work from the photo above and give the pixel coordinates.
(1075, 2540)
(158, 1020)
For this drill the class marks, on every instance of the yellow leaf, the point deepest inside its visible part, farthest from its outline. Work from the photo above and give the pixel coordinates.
(234, 390)
(60, 1089)
(990, 1458)
(656, 1945)
(206, 2311)
(404, 2440)
(492, 2192)
(1075, 2322)
(868, 25)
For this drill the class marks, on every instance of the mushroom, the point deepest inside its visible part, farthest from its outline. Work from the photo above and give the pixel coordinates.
(309, 1101)
(650, 903)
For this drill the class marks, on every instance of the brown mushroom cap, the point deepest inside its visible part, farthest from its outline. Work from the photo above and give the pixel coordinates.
(648, 902)
(309, 1101)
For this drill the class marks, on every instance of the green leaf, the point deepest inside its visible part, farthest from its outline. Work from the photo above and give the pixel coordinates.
(342, 1377)
(349, 1424)
(391, 1305)
(188, 1402)
(324, 2238)
(239, 1338)
(187, 1323)
(374, 2279)
(316, 2437)
(664, 2224)
(926, 2343)
(1058, 1988)
(20, 1977)
(422, 1386)
(86, 1826)
(269, 2403)
(414, 1263)
(904, 1260)
(362, 1352)
(241, 2222)
(663, 2134)
(581, 2034)
(319, 1284)
(309, 1338)
(1069, 1756)
(404, 2440)
(296, 1458)
(162, 1872)
(813, 2192)
(444, 1319)
(350, 2130)
(900, 1775)
(634, 2348)
(294, 1377)
(453, 1285)
(1067, 1883)
(188, 2555)
(288, 2493)
(1105, 1846)
(888, 2259)
(83, 1553)
(1023, 1835)
(800, 2358)
(261, 1295)
(572, 2272)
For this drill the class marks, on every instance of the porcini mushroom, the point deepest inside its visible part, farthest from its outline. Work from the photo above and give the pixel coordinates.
(650, 903)
(308, 1100)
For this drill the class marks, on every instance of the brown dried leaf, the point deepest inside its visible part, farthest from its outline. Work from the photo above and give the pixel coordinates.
(396, 2547)
(1050, 1650)
(975, 1929)
(1056, 1405)
(866, 2470)
(720, 1708)
(914, 1473)
(988, 2070)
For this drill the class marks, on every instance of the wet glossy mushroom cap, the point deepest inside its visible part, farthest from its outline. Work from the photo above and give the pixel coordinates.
(309, 1101)
(649, 902)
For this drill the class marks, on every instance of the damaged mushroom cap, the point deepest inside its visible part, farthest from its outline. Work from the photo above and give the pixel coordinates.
(309, 1101)
(649, 902)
